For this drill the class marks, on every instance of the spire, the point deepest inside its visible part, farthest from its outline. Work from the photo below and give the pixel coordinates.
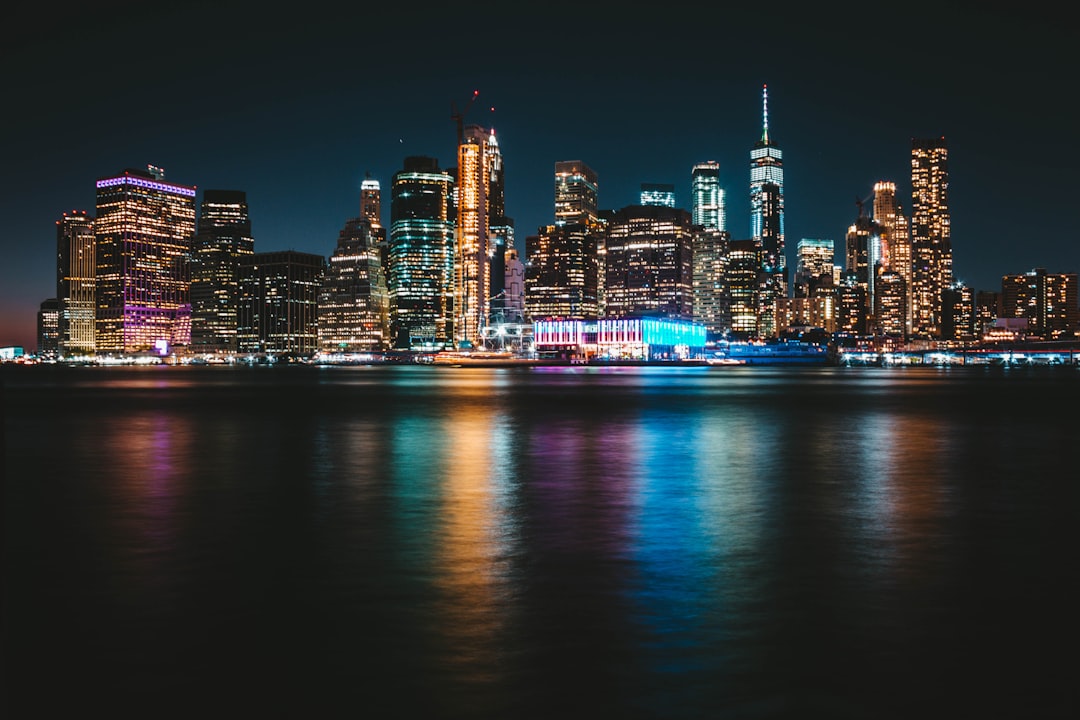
(765, 114)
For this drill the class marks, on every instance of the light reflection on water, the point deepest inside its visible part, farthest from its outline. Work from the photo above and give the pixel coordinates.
(492, 542)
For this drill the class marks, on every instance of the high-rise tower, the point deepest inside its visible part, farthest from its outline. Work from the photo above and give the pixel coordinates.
(143, 228)
(420, 255)
(472, 269)
(711, 245)
(223, 238)
(75, 271)
(767, 218)
(931, 246)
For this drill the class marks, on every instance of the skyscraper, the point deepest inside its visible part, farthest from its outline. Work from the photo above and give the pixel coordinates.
(279, 293)
(767, 219)
(420, 255)
(708, 210)
(562, 270)
(576, 193)
(353, 304)
(472, 268)
(75, 249)
(143, 229)
(649, 263)
(371, 210)
(712, 302)
(931, 244)
(223, 238)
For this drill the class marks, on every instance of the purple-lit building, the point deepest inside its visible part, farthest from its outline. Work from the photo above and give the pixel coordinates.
(143, 228)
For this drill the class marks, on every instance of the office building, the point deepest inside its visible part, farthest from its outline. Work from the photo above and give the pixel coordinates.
(649, 263)
(1047, 300)
(743, 273)
(708, 207)
(931, 245)
(353, 304)
(75, 282)
(48, 328)
(478, 158)
(143, 230)
(420, 257)
(279, 294)
(222, 240)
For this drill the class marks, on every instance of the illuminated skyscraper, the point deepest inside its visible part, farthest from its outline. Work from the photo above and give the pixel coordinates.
(223, 238)
(562, 273)
(500, 232)
(711, 243)
(420, 257)
(708, 197)
(75, 249)
(814, 265)
(662, 194)
(371, 210)
(649, 263)
(743, 273)
(143, 228)
(931, 246)
(472, 267)
(576, 192)
(896, 241)
(353, 305)
(767, 217)
(48, 328)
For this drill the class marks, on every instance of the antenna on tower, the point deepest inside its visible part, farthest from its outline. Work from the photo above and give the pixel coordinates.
(765, 114)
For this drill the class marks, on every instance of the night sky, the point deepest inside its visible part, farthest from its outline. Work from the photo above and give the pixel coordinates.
(294, 106)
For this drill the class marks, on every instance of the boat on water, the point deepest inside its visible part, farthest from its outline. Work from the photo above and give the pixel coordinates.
(778, 352)
(479, 357)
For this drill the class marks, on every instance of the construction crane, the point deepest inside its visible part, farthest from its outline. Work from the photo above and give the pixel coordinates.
(459, 117)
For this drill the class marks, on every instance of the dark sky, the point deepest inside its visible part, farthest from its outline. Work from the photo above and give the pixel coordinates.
(295, 105)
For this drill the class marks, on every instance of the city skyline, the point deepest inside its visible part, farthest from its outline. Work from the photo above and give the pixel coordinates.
(300, 143)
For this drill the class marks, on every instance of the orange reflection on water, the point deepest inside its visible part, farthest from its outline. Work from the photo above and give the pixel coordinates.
(474, 540)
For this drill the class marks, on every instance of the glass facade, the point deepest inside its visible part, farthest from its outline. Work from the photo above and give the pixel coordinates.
(648, 264)
(420, 255)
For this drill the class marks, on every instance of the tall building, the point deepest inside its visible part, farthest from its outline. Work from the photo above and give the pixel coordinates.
(1047, 300)
(576, 193)
(477, 155)
(279, 294)
(708, 209)
(222, 240)
(500, 232)
(562, 272)
(813, 266)
(371, 210)
(649, 263)
(931, 246)
(48, 328)
(896, 240)
(420, 255)
(353, 304)
(767, 219)
(743, 272)
(143, 231)
(662, 194)
(712, 302)
(958, 318)
(75, 270)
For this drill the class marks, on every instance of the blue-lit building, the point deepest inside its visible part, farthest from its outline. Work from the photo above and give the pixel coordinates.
(627, 338)
(767, 220)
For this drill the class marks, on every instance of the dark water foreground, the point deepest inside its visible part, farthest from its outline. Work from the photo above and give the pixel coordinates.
(407, 542)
